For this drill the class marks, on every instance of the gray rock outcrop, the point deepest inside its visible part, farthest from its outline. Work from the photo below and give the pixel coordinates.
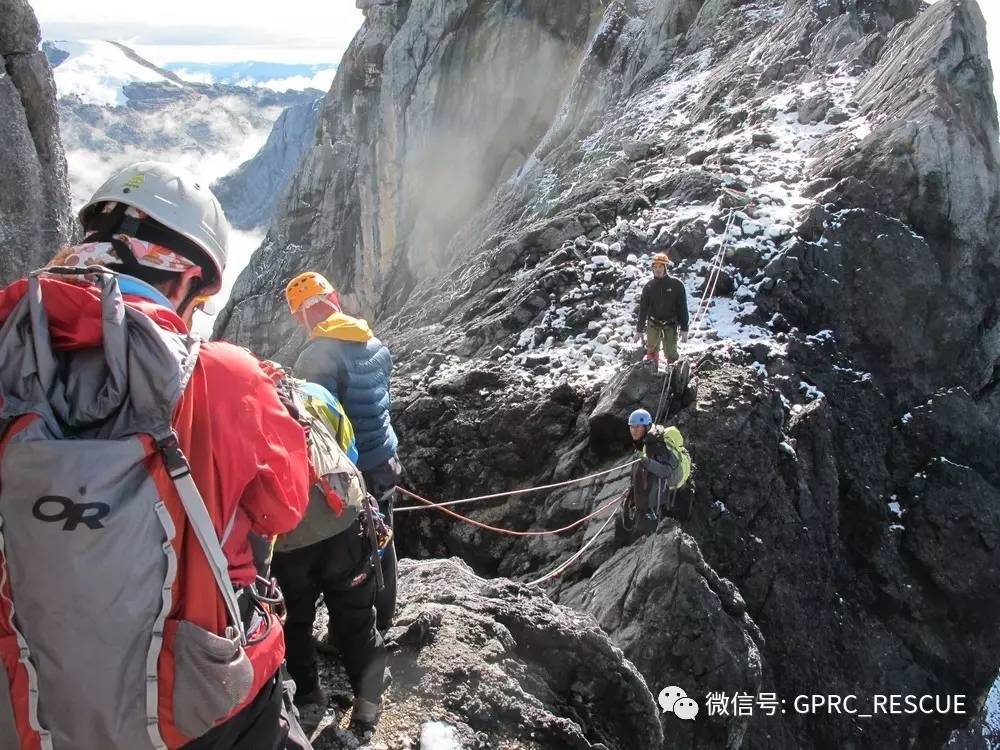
(499, 665)
(911, 194)
(34, 195)
(433, 107)
(251, 193)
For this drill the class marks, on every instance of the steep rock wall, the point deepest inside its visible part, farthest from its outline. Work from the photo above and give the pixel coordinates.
(34, 194)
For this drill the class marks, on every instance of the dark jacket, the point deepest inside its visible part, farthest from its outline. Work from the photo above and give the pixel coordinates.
(655, 474)
(664, 300)
(358, 373)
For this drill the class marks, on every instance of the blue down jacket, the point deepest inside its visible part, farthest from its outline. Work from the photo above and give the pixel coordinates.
(358, 374)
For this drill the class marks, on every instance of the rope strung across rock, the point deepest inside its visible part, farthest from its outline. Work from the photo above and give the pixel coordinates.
(551, 574)
(712, 280)
(663, 392)
(499, 530)
(495, 495)
(564, 565)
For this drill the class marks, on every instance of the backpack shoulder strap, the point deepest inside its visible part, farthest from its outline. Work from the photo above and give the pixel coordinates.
(187, 367)
(194, 504)
(201, 523)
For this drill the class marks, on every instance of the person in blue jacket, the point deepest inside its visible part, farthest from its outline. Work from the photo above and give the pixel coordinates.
(345, 357)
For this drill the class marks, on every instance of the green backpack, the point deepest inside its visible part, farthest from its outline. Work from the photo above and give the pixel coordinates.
(332, 471)
(675, 444)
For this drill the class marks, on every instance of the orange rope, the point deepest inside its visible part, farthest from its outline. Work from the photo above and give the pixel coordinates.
(512, 492)
(499, 530)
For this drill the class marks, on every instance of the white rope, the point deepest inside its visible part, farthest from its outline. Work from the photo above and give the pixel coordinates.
(560, 568)
(515, 492)
(715, 271)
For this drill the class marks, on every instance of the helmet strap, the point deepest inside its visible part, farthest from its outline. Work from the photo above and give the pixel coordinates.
(197, 285)
(102, 227)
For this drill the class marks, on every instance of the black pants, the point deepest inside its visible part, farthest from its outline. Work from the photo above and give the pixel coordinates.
(268, 723)
(379, 482)
(328, 568)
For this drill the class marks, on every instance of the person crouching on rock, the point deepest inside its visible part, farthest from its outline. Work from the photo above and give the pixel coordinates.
(344, 356)
(663, 313)
(332, 552)
(663, 465)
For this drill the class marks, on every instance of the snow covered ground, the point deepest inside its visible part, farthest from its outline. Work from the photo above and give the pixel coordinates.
(993, 705)
(771, 177)
(97, 71)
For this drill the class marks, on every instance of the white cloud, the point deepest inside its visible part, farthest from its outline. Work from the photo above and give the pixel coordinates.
(323, 80)
(162, 54)
(241, 246)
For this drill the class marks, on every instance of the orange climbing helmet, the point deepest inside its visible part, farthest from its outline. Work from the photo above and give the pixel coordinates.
(305, 286)
(661, 259)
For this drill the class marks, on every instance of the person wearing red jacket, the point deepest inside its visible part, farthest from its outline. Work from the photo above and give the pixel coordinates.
(165, 237)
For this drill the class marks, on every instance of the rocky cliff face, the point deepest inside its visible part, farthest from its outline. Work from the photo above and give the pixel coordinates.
(34, 195)
(251, 193)
(490, 180)
(434, 106)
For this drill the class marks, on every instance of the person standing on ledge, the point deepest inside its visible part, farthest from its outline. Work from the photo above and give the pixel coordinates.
(663, 313)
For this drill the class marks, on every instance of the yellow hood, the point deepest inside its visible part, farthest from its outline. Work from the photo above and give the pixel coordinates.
(343, 327)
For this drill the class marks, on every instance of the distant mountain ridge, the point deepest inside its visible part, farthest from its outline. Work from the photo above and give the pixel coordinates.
(250, 193)
(117, 107)
(249, 72)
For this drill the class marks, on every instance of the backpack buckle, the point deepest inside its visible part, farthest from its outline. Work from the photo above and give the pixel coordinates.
(173, 457)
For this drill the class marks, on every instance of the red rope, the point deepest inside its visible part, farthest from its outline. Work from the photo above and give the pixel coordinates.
(526, 490)
(499, 530)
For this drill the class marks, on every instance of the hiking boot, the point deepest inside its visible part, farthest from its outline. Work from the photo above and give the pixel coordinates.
(326, 646)
(364, 718)
(313, 697)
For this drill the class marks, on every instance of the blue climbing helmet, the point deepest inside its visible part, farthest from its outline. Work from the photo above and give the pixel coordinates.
(640, 418)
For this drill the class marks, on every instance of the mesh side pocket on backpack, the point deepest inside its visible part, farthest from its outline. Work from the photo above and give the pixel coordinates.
(8, 723)
(213, 676)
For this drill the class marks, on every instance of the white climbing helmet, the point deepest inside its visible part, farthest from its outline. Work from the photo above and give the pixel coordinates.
(174, 198)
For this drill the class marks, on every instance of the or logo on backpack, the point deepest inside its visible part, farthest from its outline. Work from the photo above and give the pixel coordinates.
(675, 444)
(54, 509)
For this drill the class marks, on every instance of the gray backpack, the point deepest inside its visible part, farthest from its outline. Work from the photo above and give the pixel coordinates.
(98, 643)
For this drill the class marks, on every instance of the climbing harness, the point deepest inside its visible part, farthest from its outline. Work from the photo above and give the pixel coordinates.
(630, 513)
